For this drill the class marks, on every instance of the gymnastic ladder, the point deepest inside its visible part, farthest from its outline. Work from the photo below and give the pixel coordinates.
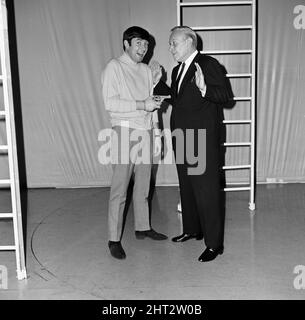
(10, 148)
(252, 75)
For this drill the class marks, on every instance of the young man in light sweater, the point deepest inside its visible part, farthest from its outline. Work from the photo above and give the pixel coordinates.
(127, 86)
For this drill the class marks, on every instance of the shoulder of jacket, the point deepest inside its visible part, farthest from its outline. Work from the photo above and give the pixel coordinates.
(176, 67)
(207, 59)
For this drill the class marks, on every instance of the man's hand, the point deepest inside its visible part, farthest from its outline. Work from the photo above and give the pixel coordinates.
(160, 99)
(151, 104)
(156, 71)
(200, 82)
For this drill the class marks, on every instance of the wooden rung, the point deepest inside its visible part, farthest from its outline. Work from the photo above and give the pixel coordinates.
(7, 248)
(220, 52)
(236, 167)
(237, 144)
(219, 28)
(5, 181)
(3, 147)
(242, 98)
(236, 121)
(239, 75)
(237, 189)
(214, 3)
(6, 215)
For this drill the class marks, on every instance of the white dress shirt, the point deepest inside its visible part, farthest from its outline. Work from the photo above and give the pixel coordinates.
(187, 63)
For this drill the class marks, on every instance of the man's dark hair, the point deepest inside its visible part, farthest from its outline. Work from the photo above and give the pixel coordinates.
(135, 32)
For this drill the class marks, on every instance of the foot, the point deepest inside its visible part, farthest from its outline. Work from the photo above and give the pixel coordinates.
(186, 236)
(210, 254)
(150, 234)
(116, 249)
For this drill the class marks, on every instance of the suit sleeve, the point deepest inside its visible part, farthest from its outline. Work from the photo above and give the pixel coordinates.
(162, 89)
(217, 90)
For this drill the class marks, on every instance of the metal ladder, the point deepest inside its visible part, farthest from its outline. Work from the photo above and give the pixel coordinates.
(10, 148)
(252, 75)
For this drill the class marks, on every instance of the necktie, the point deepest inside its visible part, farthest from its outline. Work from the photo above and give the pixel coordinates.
(179, 77)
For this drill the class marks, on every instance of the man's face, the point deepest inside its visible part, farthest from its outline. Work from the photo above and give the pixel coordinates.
(136, 49)
(179, 46)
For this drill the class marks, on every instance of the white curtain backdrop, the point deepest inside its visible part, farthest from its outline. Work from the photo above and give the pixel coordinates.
(63, 45)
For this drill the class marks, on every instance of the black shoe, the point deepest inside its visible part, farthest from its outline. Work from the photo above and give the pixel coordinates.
(150, 234)
(210, 254)
(116, 249)
(185, 236)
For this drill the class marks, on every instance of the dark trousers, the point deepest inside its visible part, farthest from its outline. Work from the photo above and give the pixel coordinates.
(202, 208)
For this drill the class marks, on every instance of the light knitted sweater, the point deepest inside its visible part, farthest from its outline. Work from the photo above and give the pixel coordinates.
(123, 82)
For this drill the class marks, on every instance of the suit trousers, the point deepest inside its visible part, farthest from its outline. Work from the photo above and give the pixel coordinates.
(200, 194)
(130, 157)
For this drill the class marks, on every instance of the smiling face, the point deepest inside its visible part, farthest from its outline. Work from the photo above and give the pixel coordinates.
(180, 46)
(136, 49)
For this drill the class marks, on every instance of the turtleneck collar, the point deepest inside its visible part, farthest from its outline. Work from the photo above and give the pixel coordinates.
(126, 58)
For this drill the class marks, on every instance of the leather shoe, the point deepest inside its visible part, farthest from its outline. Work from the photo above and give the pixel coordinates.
(150, 234)
(210, 254)
(186, 236)
(116, 249)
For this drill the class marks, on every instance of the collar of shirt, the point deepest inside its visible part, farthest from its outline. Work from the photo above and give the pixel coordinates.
(126, 58)
(187, 63)
(189, 60)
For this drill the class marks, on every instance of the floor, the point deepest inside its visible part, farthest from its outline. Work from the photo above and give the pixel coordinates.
(68, 258)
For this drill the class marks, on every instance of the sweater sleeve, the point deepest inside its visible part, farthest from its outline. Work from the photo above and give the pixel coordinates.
(110, 90)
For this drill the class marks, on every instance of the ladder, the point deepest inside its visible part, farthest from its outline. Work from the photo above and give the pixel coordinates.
(252, 76)
(10, 149)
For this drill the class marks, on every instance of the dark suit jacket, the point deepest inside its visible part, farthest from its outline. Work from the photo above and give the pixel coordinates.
(190, 109)
(190, 102)
(200, 193)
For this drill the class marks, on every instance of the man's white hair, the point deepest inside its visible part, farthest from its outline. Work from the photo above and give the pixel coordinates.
(188, 32)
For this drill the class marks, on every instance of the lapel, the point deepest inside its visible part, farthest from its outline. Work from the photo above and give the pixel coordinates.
(190, 74)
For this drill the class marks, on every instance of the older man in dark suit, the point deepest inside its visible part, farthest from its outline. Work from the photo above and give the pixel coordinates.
(198, 91)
